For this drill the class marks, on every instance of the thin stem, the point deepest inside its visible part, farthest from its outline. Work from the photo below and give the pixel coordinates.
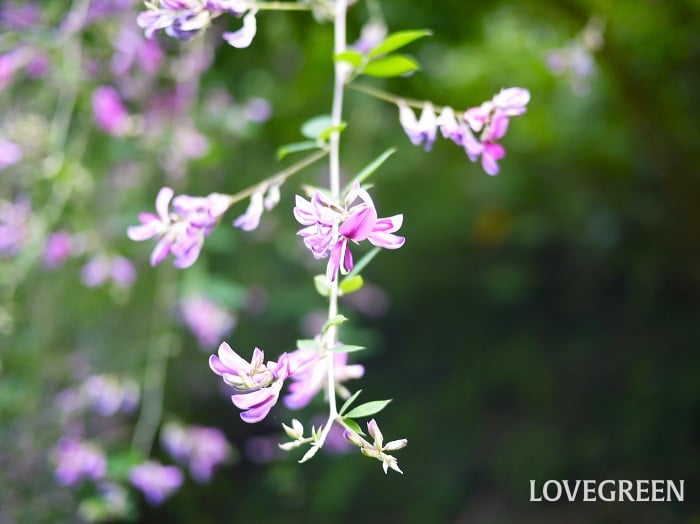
(281, 6)
(279, 177)
(388, 97)
(159, 350)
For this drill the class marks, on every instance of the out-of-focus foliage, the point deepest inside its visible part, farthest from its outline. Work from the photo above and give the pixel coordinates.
(542, 324)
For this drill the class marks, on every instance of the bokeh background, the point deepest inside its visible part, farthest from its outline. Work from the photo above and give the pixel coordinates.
(541, 324)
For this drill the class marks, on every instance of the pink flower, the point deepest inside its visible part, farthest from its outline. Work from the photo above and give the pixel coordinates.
(109, 111)
(311, 375)
(208, 321)
(257, 385)
(202, 448)
(156, 482)
(181, 233)
(419, 131)
(329, 227)
(77, 460)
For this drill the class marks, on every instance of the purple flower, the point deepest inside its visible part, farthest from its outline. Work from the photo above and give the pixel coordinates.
(183, 19)
(208, 321)
(156, 482)
(103, 268)
(490, 119)
(14, 225)
(329, 227)
(257, 110)
(57, 249)
(181, 233)
(257, 385)
(10, 153)
(259, 201)
(419, 131)
(311, 375)
(106, 395)
(16, 16)
(202, 448)
(77, 460)
(132, 49)
(109, 111)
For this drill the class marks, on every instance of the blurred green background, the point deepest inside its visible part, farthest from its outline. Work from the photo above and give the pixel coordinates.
(543, 324)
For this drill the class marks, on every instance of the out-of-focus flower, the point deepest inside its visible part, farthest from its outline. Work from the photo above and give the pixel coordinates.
(16, 16)
(156, 481)
(329, 227)
(257, 110)
(311, 375)
(109, 111)
(107, 394)
(14, 225)
(266, 197)
(575, 61)
(490, 119)
(131, 49)
(10, 153)
(371, 34)
(208, 321)
(421, 131)
(181, 233)
(58, 249)
(103, 268)
(257, 385)
(201, 448)
(377, 448)
(77, 460)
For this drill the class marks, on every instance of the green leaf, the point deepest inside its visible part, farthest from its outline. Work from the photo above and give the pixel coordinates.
(286, 149)
(326, 133)
(346, 348)
(349, 402)
(392, 65)
(322, 285)
(335, 321)
(353, 425)
(353, 58)
(320, 127)
(368, 408)
(370, 169)
(398, 40)
(359, 266)
(351, 284)
(307, 343)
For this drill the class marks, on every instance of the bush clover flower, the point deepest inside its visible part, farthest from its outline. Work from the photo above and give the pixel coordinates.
(265, 198)
(202, 448)
(156, 481)
(490, 120)
(77, 460)
(182, 232)
(184, 19)
(207, 320)
(377, 448)
(109, 112)
(329, 227)
(256, 385)
(311, 375)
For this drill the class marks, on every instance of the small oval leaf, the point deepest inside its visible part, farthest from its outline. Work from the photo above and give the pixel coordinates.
(349, 402)
(353, 425)
(368, 408)
(392, 65)
(286, 149)
(354, 58)
(313, 127)
(351, 284)
(398, 40)
(346, 348)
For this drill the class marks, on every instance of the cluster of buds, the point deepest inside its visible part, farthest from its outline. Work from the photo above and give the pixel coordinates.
(183, 19)
(330, 226)
(377, 448)
(489, 120)
(182, 232)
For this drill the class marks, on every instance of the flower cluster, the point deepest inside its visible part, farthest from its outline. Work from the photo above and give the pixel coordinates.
(329, 227)
(77, 460)
(183, 19)
(156, 481)
(377, 448)
(201, 448)
(257, 385)
(181, 233)
(490, 120)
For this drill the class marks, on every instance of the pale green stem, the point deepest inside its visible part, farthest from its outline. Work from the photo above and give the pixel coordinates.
(388, 97)
(281, 6)
(161, 344)
(334, 161)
